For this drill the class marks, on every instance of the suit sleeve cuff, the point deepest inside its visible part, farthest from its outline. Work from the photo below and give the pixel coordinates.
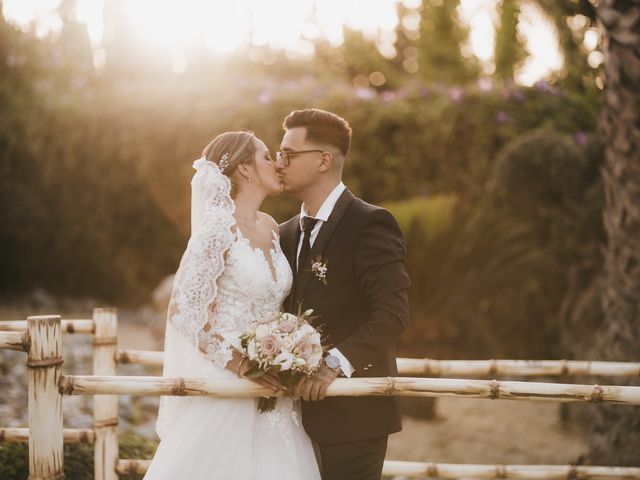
(345, 365)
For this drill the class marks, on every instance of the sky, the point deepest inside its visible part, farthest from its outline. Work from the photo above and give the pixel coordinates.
(173, 27)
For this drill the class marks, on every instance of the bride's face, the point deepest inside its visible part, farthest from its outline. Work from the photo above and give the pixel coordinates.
(265, 173)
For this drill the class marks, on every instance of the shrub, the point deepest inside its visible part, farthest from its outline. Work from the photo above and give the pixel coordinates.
(492, 282)
(78, 458)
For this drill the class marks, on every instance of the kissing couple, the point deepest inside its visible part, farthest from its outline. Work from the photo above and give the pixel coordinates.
(341, 257)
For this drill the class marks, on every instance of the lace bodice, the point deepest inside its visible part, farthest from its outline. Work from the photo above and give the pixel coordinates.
(251, 288)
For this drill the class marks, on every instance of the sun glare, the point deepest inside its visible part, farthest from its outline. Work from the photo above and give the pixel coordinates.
(176, 27)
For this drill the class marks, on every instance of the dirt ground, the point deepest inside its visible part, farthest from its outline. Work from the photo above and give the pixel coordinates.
(486, 431)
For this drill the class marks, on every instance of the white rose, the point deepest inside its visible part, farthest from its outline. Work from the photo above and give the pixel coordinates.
(287, 343)
(262, 331)
(285, 360)
(306, 329)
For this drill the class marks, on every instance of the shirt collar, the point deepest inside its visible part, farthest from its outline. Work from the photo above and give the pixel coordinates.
(327, 206)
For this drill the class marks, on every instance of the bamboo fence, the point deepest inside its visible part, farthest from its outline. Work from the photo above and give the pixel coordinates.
(40, 337)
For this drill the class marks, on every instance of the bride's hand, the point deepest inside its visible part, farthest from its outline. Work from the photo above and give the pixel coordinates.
(267, 380)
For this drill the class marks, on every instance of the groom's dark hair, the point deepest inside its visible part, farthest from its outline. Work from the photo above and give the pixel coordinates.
(322, 127)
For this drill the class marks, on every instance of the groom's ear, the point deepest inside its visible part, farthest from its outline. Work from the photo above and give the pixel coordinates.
(326, 162)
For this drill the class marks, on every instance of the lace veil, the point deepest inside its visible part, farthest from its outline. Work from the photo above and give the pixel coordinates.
(195, 283)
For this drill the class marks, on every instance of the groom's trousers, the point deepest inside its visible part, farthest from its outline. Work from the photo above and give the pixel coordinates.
(353, 460)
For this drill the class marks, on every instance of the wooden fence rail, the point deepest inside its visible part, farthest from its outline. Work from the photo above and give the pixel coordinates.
(382, 386)
(70, 435)
(431, 367)
(14, 341)
(70, 325)
(457, 470)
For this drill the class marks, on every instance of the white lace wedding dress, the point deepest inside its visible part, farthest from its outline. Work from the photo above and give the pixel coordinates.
(206, 438)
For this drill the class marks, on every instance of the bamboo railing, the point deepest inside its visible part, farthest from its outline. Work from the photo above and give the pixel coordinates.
(70, 435)
(457, 470)
(355, 387)
(14, 341)
(42, 341)
(81, 325)
(431, 367)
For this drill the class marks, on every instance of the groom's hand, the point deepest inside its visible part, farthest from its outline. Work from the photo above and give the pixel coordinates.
(314, 388)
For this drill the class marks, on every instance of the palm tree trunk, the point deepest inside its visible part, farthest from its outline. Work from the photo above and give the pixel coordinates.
(616, 436)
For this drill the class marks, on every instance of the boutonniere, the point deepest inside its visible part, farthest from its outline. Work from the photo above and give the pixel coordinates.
(319, 268)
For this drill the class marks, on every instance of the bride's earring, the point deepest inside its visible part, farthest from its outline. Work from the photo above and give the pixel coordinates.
(249, 180)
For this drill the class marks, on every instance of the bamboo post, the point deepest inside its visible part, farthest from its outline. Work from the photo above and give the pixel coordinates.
(44, 362)
(105, 410)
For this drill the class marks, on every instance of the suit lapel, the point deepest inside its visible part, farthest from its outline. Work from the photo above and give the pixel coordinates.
(327, 230)
(289, 235)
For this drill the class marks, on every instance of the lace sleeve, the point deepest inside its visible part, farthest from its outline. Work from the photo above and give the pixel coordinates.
(195, 283)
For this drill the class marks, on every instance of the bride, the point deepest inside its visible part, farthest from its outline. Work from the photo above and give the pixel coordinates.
(232, 273)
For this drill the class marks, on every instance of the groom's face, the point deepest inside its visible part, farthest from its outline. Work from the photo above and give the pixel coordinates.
(302, 169)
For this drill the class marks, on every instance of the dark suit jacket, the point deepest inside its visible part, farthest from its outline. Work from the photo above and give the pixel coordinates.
(362, 309)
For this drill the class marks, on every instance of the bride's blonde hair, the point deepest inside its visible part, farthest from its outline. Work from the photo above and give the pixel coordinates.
(230, 149)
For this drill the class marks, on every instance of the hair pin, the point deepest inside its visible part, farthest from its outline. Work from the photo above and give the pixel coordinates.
(224, 162)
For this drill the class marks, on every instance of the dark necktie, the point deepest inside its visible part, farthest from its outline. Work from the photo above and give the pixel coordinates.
(305, 252)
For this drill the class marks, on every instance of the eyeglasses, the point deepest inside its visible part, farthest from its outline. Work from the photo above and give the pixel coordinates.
(285, 155)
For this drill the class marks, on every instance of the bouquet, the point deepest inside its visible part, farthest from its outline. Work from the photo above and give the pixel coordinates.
(286, 346)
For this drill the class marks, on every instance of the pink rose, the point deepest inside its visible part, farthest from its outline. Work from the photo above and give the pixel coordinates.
(269, 345)
(305, 349)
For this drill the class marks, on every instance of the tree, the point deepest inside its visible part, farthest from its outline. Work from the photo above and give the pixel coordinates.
(576, 68)
(439, 45)
(616, 434)
(509, 47)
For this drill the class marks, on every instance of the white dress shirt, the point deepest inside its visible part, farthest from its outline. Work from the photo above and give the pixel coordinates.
(322, 216)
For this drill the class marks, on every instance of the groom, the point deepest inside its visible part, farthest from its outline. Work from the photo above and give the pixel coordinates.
(347, 257)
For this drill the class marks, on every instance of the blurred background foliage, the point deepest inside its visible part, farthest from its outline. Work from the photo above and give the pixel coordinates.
(496, 185)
